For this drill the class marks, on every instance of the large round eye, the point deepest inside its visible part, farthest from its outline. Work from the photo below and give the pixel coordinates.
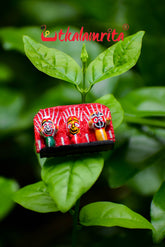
(95, 120)
(76, 124)
(69, 126)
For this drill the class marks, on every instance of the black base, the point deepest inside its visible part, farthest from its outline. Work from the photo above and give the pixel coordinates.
(77, 148)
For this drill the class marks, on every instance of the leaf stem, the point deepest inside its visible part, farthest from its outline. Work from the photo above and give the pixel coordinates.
(83, 96)
(84, 58)
(84, 65)
(83, 91)
(75, 223)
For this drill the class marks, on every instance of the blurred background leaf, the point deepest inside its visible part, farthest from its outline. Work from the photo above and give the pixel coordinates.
(145, 102)
(157, 214)
(7, 189)
(117, 112)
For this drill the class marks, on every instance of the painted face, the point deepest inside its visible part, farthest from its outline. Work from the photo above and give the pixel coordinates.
(73, 125)
(48, 127)
(98, 120)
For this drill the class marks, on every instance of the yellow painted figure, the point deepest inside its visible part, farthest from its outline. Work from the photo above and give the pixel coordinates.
(74, 129)
(98, 122)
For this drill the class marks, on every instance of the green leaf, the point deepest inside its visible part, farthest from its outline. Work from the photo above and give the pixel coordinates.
(126, 83)
(7, 189)
(116, 110)
(145, 102)
(52, 62)
(116, 60)
(148, 181)
(119, 171)
(67, 178)
(112, 214)
(138, 151)
(35, 197)
(158, 214)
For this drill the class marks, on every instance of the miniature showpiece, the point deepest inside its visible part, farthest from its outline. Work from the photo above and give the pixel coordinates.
(73, 129)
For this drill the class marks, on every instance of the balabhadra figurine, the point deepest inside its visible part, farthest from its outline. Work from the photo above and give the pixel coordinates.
(73, 129)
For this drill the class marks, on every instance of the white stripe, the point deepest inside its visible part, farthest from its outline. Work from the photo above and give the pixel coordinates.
(58, 121)
(38, 117)
(65, 115)
(101, 108)
(45, 113)
(97, 108)
(105, 112)
(75, 138)
(39, 144)
(37, 129)
(86, 115)
(62, 141)
(53, 115)
(70, 111)
(41, 115)
(67, 112)
(78, 112)
(110, 134)
(87, 137)
(102, 133)
(81, 116)
(74, 111)
(88, 110)
(37, 123)
(56, 116)
(92, 108)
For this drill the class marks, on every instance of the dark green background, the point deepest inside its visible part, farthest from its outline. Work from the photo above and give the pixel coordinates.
(24, 90)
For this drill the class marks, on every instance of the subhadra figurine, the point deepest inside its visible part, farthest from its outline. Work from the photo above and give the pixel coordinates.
(73, 129)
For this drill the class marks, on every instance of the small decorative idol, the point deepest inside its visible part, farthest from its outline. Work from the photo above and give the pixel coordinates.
(73, 129)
